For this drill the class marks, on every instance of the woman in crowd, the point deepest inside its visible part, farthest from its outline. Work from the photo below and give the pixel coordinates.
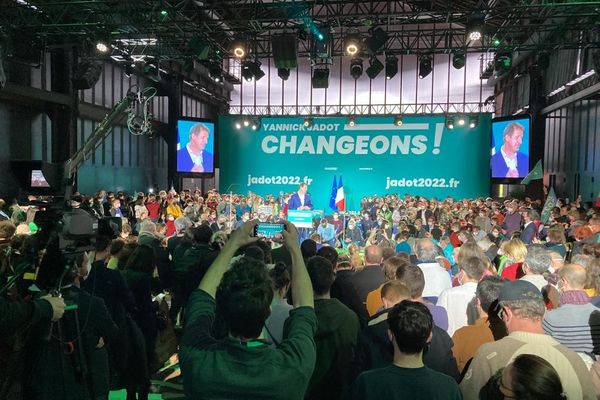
(515, 252)
(138, 276)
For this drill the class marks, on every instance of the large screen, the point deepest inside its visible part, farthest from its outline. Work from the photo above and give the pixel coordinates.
(38, 179)
(510, 147)
(195, 146)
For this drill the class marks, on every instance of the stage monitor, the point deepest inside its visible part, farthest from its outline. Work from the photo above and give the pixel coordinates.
(510, 147)
(195, 146)
(38, 179)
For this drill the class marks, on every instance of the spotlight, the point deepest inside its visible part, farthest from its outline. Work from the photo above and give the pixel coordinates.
(475, 34)
(375, 67)
(320, 36)
(496, 41)
(129, 68)
(255, 125)
(283, 73)
(458, 59)
(502, 62)
(351, 120)
(215, 72)
(475, 25)
(376, 41)
(352, 44)
(320, 78)
(164, 13)
(473, 122)
(238, 125)
(356, 68)
(461, 120)
(391, 67)
(238, 48)
(246, 123)
(398, 120)
(308, 121)
(424, 66)
(102, 47)
(251, 70)
(450, 122)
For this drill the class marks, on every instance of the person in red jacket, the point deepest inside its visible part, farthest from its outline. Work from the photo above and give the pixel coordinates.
(153, 208)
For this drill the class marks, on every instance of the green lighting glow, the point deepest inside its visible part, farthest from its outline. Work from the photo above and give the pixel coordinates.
(164, 13)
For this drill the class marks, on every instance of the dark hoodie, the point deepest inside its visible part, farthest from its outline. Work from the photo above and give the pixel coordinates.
(337, 333)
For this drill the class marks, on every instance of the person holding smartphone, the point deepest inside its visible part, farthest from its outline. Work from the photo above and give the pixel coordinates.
(243, 365)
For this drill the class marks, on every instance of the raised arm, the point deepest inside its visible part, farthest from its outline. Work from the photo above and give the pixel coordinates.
(301, 286)
(240, 237)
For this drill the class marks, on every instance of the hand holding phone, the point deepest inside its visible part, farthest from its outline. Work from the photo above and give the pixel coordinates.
(269, 230)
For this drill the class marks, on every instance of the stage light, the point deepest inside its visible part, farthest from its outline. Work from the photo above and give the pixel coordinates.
(450, 122)
(215, 71)
(496, 42)
(474, 35)
(246, 123)
(376, 41)
(283, 73)
(238, 125)
(320, 78)
(351, 120)
(320, 36)
(238, 48)
(356, 68)
(251, 70)
(308, 121)
(473, 122)
(391, 67)
(424, 66)
(352, 44)
(458, 59)
(461, 120)
(102, 47)
(398, 120)
(254, 126)
(375, 67)
(164, 13)
(129, 68)
(502, 62)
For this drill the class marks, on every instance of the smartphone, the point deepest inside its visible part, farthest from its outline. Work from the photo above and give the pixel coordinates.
(268, 230)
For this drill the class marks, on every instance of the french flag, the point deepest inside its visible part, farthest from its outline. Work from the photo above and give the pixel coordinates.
(340, 201)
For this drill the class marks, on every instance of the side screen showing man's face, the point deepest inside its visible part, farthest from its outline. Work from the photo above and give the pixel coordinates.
(513, 140)
(199, 138)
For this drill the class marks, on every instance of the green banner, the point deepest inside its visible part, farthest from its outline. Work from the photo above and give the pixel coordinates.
(374, 156)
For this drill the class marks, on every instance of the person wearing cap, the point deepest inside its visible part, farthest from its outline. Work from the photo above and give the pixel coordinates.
(521, 307)
(327, 232)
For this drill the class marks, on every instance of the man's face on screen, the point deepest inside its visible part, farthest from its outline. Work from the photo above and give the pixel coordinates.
(513, 141)
(200, 139)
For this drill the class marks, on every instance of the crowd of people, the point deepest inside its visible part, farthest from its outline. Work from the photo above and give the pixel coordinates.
(406, 297)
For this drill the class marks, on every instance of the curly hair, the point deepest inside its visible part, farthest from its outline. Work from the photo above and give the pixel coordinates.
(244, 297)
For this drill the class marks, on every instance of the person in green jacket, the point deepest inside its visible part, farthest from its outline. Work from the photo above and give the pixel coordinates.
(242, 366)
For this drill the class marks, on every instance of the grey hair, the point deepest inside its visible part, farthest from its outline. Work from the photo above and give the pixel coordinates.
(533, 215)
(532, 309)
(182, 224)
(538, 259)
(426, 250)
(582, 259)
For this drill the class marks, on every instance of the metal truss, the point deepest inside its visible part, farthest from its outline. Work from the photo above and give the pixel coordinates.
(434, 26)
(373, 109)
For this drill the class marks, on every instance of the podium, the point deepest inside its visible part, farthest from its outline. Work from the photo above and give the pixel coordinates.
(301, 218)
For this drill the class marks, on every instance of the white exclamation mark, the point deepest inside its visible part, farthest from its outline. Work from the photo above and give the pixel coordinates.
(439, 130)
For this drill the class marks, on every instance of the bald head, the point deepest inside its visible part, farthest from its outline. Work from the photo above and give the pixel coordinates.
(373, 255)
(573, 275)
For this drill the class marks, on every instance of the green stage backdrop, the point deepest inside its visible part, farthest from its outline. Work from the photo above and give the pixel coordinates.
(420, 157)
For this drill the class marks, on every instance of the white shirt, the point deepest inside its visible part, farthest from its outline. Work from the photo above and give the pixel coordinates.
(455, 301)
(301, 197)
(537, 280)
(511, 163)
(196, 159)
(437, 279)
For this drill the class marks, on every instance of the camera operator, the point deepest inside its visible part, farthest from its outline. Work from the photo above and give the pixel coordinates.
(71, 361)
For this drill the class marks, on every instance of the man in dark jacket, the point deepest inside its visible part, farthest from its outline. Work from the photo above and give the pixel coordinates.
(376, 350)
(371, 276)
(336, 336)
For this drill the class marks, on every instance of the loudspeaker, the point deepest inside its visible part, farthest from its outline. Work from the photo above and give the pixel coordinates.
(285, 51)
(87, 75)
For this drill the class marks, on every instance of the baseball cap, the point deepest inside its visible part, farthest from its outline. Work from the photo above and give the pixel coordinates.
(519, 290)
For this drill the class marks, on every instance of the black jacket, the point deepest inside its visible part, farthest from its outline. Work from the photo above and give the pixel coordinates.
(376, 350)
